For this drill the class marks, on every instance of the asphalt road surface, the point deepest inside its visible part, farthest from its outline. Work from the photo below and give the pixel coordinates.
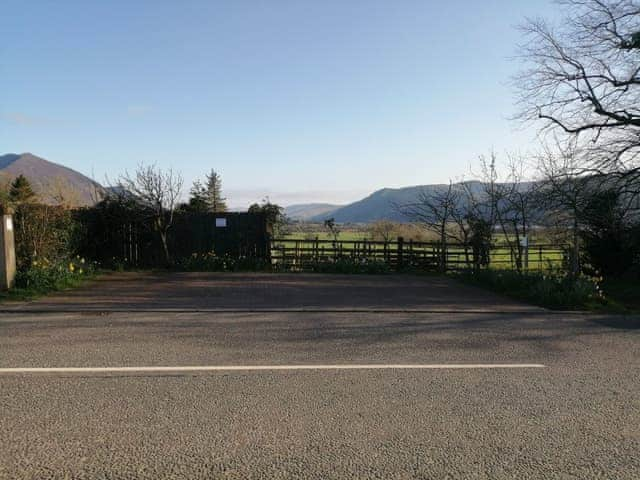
(563, 402)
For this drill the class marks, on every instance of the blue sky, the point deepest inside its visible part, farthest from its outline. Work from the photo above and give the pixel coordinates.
(299, 100)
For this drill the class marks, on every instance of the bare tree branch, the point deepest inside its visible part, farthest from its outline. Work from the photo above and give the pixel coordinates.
(583, 79)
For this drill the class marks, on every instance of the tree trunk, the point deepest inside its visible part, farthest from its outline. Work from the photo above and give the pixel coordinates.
(443, 249)
(165, 247)
(575, 256)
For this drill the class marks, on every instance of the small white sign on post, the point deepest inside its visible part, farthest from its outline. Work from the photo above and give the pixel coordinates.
(524, 242)
(221, 222)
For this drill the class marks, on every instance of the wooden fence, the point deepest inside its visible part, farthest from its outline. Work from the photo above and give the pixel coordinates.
(399, 254)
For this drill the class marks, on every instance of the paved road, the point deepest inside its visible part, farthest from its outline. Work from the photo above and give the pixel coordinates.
(579, 417)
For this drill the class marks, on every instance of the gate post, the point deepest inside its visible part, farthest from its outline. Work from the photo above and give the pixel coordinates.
(7, 252)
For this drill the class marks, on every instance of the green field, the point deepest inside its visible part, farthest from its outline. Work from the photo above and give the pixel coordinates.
(541, 257)
(348, 236)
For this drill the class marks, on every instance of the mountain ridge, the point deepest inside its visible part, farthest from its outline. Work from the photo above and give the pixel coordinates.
(383, 204)
(306, 211)
(52, 182)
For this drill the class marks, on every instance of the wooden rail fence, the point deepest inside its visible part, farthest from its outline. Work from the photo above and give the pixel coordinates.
(297, 254)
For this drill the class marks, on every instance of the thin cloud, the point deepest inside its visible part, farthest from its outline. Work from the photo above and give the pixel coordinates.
(138, 110)
(19, 118)
(245, 197)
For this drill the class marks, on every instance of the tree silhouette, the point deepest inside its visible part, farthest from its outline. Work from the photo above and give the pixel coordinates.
(21, 191)
(214, 198)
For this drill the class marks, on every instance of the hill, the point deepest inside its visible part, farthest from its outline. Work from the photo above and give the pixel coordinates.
(52, 182)
(381, 204)
(307, 211)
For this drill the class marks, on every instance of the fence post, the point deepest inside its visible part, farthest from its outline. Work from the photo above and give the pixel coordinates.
(524, 244)
(411, 258)
(400, 259)
(540, 258)
(7, 253)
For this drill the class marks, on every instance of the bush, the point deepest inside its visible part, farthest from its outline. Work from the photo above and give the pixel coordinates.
(44, 231)
(611, 235)
(552, 289)
(43, 275)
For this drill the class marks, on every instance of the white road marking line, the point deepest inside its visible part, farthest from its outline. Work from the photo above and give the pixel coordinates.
(217, 368)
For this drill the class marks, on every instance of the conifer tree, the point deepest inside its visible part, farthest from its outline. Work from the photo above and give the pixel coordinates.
(215, 200)
(21, 191)
(198, 200)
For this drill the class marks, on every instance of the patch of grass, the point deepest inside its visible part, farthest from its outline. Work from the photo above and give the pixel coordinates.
(346, 235)
(623, 295)
(551, 290)
(210, 262)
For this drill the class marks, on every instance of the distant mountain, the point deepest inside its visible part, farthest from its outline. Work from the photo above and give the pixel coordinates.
(306, 211)
(383, 204)
(53, 183)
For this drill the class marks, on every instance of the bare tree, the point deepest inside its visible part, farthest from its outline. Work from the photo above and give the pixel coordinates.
(333, 228)
(383, 230)
(436, 210)
(564, 192)
(510, 204)
(464, 228)
(158, 190)
(582, 78)
(476, 219)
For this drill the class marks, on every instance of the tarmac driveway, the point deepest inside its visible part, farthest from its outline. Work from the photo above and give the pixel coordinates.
(133, 291)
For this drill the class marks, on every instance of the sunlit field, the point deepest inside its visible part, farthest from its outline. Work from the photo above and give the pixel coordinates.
(542, 255)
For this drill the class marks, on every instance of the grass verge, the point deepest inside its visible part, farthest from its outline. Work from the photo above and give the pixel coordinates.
(550, 290)
(43, 277)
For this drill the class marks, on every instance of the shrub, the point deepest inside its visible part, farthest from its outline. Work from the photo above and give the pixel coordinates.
(611, 235)
(552, 289)
(44, 231)
(44, 275)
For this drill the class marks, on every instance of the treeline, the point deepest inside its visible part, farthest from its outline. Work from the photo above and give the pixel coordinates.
(140, 209)
(595, 215)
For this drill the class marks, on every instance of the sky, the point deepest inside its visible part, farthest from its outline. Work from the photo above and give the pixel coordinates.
(299, 100)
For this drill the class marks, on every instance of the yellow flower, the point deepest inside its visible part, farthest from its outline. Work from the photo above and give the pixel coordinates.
(71, 267)
(34, 263)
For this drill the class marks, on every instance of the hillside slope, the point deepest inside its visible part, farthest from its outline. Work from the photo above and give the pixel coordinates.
(382, 204)
(306, 211)
(52, 182)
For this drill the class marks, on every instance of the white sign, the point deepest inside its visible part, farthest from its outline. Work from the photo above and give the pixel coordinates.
(9, 224)
(221, 222)
(524, 242)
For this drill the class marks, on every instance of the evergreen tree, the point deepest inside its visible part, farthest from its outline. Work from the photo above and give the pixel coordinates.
(276, 219)
(21, 191)
(198, 200)
(215, 200)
